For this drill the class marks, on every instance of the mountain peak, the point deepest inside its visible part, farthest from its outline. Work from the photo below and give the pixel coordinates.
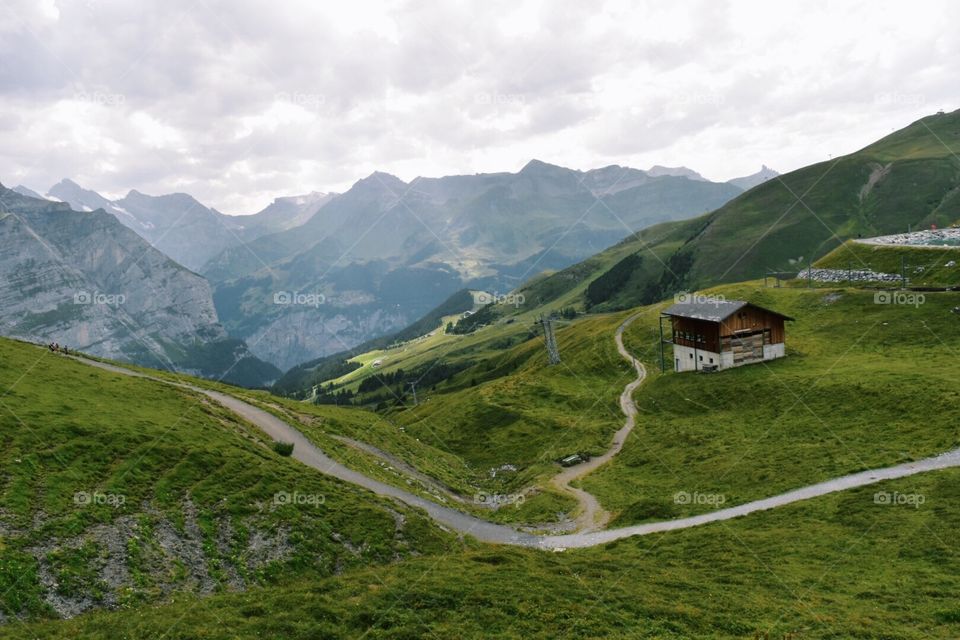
(752, 180)
(26, 191)
(67, 189)
(79, 198)
(381, 181)
(658, 170)
(766, 171)
(539, 166)
(382, 175)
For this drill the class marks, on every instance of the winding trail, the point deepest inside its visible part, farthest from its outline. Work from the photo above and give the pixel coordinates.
(591, 515)
(484, 531)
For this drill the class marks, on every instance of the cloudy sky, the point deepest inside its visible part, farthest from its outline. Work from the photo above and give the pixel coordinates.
(237, 102)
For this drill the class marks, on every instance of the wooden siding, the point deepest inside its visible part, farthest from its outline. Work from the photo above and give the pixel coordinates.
(748, 348)
(748, 325)
(698, 334)
(751, 319)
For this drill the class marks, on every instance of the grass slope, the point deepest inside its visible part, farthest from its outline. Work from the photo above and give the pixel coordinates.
(186, 496)
(923, 266)
(513, 409)
(858, 371)
(841, 566)
(909, 178)
(864, 385)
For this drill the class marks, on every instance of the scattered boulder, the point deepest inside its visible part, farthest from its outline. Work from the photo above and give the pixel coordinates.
(847, 275)
(926, 237)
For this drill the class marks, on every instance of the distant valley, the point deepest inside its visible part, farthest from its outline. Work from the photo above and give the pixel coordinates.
(321, 274)
(316, 274)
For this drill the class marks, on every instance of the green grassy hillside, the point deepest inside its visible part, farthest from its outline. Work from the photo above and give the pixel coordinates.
(922, 266)
(864, 385)
(502, 422)
(117, 492)
(909, 178)
(840, 566)
(855, 392)
(766, 228)
(513, 409)
(858, 371)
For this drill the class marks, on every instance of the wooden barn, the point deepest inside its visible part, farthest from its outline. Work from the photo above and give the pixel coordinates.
(711, 335)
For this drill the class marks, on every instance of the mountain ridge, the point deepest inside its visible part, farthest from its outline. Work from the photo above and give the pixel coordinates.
(750, 181)
(385, 252)
(184, 228)
(909, 178)
(84, 280)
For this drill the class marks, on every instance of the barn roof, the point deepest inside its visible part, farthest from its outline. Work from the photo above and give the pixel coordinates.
(713, 310)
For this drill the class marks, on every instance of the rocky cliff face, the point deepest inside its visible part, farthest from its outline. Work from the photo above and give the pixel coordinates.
(84, 280)
(284, 339)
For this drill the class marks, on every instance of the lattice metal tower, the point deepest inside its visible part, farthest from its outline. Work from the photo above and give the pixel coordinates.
(553, 353)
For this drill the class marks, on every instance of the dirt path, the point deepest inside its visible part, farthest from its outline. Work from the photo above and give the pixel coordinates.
(307, 453)
(591, 515)
(862, 479)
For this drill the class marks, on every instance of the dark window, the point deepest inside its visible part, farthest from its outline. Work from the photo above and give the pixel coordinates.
(701, 358)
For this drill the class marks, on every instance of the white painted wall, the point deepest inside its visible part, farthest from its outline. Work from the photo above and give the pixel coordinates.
(690, 359)
(771, 351)
(726, 359)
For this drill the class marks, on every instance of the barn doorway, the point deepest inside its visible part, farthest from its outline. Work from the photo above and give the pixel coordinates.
(747, 346)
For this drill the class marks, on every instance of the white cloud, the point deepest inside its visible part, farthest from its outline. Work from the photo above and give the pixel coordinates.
(238, 102)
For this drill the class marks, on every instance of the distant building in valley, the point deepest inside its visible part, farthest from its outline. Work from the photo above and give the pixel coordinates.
(711, 335)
